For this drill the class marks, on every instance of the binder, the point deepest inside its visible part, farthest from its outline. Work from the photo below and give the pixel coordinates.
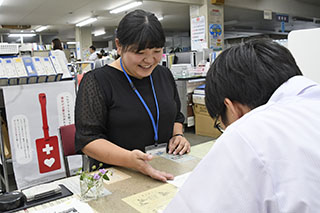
(21, 71)
(31, 70)
(57, 67)
(47, 65)
(10, 71)
(42, 74)
(3, 75)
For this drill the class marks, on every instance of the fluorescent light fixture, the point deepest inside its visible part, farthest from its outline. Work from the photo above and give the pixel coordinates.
(22, 35)
(126, 7)
(71, 42)
(42, 28)
(99, 32)
(87, 21)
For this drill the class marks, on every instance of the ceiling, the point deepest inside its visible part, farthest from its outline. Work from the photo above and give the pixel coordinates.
(62, 15)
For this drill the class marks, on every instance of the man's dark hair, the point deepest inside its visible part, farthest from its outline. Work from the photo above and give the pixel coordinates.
(248, 74)
(56, 44)
(93, 48)
(139, 30)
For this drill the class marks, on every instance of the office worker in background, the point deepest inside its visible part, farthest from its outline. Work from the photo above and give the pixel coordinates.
(93, 54)
(57, 51)
(130, 105)
(268, 158)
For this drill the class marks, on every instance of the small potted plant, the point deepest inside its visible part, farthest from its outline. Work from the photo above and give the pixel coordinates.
(91, 183)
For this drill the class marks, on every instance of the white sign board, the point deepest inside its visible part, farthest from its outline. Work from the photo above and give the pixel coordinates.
(198, 33)
(34, 114)
(305, 48)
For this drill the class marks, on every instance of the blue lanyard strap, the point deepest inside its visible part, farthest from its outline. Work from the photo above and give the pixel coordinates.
(154, 125)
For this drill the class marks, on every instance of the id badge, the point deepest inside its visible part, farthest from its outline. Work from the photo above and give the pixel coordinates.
(158, 149)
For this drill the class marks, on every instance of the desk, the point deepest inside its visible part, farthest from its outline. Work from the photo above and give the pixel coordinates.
(139, 183)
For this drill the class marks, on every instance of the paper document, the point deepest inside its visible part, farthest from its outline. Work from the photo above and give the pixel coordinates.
(201, 150)
(116, 176)
(178, 181)
(70, 206)
(153, 200)
(178, 158)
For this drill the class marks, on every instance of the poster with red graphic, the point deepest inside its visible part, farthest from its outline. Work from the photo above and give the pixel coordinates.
(34, 114)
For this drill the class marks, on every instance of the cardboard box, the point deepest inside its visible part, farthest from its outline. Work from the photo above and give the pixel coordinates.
(204, 123)
(217, 1)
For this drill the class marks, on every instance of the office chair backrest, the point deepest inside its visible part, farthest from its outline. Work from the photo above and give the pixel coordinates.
(67, 134)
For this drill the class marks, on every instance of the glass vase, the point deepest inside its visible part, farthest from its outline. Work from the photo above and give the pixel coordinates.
(91, 189)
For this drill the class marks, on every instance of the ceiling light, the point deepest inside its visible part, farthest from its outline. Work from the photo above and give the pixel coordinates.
(1, 1)
(99, 32)
(71, 42)
(126, 7)
(22, 35)
(41, 28)
(87, 21)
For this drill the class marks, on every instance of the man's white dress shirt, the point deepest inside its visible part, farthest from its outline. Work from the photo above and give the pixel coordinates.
(267, 161)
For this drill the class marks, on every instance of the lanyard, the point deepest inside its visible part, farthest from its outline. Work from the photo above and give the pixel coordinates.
(154, 125)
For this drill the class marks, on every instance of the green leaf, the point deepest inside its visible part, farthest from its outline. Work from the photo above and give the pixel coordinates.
(105, 177)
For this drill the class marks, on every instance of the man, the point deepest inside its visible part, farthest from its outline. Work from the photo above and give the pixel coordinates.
(268, 158)
(93, 53)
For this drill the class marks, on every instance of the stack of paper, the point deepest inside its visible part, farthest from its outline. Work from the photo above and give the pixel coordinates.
(198, 96)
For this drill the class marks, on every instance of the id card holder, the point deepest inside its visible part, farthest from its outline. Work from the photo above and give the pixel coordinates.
(156, 149)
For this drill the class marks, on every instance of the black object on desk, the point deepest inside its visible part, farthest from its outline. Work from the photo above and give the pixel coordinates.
(65, 192)
(11, 200)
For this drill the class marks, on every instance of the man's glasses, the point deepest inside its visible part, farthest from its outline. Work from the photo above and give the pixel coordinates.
(217, 125)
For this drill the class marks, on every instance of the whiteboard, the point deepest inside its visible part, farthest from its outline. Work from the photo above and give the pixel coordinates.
(305, 48)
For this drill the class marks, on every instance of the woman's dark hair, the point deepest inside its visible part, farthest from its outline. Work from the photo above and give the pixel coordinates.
(139, 30)
(248, 74)
(56, 44)
(93, 48)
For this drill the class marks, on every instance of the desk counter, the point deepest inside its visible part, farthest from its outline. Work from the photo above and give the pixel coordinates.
(135, 192)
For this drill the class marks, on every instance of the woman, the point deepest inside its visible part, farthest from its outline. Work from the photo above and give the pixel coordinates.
(127, 107)
(61, 56)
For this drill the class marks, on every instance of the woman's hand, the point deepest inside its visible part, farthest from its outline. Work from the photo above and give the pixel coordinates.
(140, 163)
(179, 145)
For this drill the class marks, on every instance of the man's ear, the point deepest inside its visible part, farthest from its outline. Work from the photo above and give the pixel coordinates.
(235, 109)
(119, 49)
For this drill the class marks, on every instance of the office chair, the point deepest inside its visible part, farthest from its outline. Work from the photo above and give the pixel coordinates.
(67, 135)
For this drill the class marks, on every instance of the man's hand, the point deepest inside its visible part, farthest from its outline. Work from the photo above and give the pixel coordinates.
(140, 163)
(179, 145)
